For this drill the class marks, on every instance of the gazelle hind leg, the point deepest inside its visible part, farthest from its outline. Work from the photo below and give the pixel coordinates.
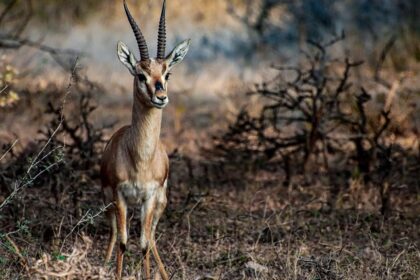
(146, 263)
(113, 234)
(161, 267)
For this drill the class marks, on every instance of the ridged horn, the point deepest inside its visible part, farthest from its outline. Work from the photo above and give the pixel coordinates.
(162, 33)
(141, 41)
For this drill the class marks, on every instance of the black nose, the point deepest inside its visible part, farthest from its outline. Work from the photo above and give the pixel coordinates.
(159, 86)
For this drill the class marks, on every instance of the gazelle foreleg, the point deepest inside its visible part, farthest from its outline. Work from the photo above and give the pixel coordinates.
(146, 226)
(121, 212)
(158, 211)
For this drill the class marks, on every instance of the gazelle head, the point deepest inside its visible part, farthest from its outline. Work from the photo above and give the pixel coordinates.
(151, 74)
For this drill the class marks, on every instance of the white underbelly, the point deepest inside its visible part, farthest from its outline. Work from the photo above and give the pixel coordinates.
(137, 193)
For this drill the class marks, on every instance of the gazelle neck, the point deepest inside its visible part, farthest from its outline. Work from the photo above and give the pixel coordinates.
(144, 130)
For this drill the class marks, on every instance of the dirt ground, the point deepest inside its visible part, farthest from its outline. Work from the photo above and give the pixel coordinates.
(257, 231)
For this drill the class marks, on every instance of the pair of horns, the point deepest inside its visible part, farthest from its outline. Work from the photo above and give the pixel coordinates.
(141, 41)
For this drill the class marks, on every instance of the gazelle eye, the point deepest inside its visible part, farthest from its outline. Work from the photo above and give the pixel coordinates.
(142, 78)
(168, 75)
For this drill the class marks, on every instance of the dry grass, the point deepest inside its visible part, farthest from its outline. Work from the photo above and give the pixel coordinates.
(235, 233)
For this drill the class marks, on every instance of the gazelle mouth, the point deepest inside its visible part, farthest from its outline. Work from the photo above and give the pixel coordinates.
(159, 105)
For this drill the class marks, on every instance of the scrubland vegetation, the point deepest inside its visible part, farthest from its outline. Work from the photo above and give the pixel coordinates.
(293, 135)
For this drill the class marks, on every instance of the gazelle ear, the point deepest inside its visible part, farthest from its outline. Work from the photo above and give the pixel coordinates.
(126, 57)
(178, 53)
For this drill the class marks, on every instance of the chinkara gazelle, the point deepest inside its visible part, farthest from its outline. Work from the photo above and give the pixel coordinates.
(134, 168)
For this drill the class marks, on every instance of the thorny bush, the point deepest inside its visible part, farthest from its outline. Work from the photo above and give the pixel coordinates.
(68, 149)
(315, 119)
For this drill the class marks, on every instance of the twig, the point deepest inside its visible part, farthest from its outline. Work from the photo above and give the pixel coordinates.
(68, 91)
(7, 9)
(394, 262)
(384, 53)
(9, 149)
(5, 87)
(19, 185)
(29, 178)
(17, 252)
(85, 218)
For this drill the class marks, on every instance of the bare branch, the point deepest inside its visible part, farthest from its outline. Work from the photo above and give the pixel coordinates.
(9, 149)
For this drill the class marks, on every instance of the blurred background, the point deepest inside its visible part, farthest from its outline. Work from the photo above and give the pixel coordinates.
(286, 117)
(234, 43)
